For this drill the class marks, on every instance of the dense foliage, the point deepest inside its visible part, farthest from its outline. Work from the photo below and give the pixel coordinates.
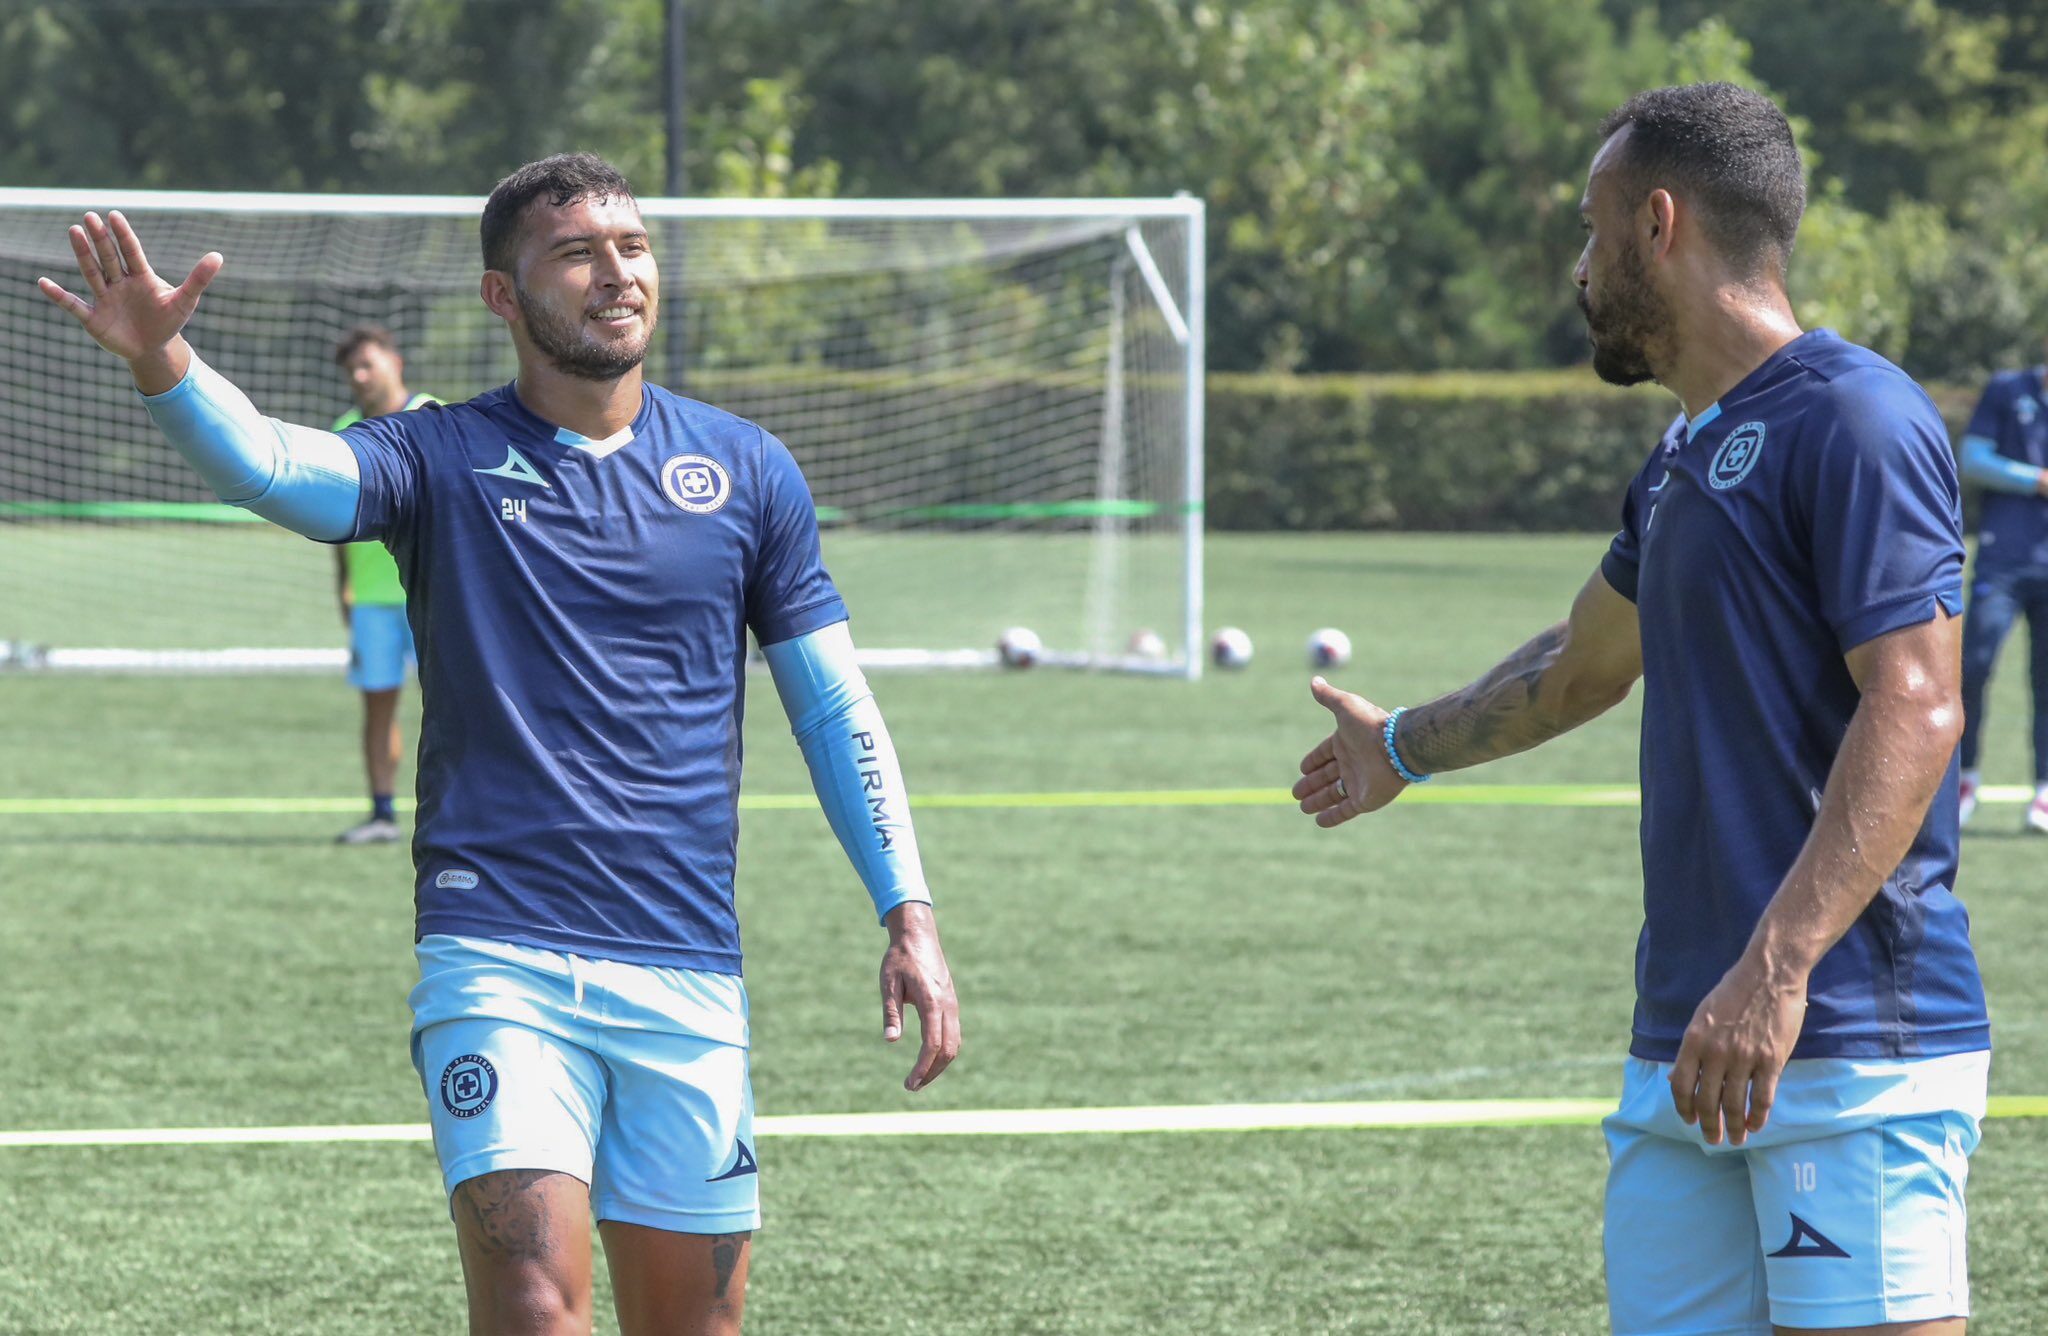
(1392, 182)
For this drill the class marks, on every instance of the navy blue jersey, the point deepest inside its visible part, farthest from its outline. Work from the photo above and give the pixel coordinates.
(2012, 531)
(1813, 509)
(581, 610)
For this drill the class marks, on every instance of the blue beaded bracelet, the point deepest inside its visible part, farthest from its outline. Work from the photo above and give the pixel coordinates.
(1387, 736)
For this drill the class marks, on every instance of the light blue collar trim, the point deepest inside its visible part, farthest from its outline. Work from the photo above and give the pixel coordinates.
(1692, 428)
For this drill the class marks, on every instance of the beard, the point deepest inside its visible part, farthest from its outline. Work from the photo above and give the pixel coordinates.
(1632, 314)
(573, 350)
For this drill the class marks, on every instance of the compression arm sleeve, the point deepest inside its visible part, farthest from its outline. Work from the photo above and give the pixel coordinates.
(1983, 465)
(303, 479)
(853, 763)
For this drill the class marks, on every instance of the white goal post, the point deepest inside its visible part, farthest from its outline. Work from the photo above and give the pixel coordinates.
(998, 404)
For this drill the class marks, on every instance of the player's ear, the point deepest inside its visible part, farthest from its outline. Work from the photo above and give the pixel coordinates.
(1660, 214)
(497, 293)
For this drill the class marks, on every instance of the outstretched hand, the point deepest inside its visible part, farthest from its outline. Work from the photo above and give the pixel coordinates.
(132, 312)
(914, 971)
(1348, 773)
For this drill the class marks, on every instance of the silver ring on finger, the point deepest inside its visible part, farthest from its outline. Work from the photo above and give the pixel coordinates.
(1341, 794)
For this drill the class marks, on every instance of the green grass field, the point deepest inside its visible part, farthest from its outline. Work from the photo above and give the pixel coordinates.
(201, 970)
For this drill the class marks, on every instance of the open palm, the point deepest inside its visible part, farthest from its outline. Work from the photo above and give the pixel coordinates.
(132, 312)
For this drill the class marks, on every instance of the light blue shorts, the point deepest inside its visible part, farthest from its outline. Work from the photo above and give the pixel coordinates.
(379, 646)
(632, 1078)
(1845, 1211)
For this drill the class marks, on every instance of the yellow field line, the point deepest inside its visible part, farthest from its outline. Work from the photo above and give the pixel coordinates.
(1387, 1114)
(1454, 795)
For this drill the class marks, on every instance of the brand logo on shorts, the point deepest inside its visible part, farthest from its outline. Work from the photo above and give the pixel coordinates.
(695, 483)
(742, 1165)
(1806, 1241)
(1737, 456)
(468, 1085)
(461, 881)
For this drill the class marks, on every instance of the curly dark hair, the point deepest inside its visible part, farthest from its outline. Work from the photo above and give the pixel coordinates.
(562, 179)
(1727, 151)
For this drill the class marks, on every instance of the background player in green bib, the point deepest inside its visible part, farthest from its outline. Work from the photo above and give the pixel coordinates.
(372, 599)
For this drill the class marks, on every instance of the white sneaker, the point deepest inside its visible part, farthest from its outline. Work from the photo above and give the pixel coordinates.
(2037, 816)
(376, 830)
(1968, 805)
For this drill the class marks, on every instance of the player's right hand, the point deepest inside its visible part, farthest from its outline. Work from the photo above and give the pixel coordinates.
(1347, 774)
(133, 313)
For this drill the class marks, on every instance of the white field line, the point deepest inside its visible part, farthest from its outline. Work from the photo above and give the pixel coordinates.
(1396, 1114)
(951, 1122)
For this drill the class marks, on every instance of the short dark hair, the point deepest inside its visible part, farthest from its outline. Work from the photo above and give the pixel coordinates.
(1729, 151)
(361, 335)
(562, 179)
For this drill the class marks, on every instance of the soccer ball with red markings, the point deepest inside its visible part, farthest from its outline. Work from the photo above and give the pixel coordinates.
(1230, 648)
(1328, 648)
(1147, 643)
(1020, 647)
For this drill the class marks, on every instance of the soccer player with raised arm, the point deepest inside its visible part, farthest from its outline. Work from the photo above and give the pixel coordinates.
(584, 554)
(1810, 1047)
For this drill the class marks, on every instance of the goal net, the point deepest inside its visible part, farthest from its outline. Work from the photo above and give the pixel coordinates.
(997, 404)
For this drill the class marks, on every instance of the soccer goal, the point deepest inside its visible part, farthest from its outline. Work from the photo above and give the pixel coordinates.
(998, 404)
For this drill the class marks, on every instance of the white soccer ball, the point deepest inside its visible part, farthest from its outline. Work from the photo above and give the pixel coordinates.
(1020, 647)
(1328, 648)
(1147, 643)
(1230, 648)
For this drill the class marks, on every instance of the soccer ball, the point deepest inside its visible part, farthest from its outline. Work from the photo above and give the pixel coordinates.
(1328, 648)
(1147, 643)
(1020, 647)
(1230, 648)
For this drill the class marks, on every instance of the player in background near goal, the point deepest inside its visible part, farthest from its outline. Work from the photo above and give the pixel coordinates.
(1810, 1050)
(380, 651)
(2005, 451)
(583, 556)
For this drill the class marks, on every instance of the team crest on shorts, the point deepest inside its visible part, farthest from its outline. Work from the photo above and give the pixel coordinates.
(468, 1085)
(1737, 456)
(695, 484)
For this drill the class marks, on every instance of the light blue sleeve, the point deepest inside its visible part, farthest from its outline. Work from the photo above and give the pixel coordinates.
(852, 762)
(1983, 465)
(304, 479)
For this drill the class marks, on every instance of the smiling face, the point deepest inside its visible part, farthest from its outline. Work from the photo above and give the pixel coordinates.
(1627, 319)
(586, 287)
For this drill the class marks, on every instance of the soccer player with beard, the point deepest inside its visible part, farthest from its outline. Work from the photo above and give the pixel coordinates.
(1810, 1050)
(583, 554)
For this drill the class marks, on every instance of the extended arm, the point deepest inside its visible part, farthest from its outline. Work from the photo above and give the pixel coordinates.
(1983, 465)
(1571, 673)
(304, 479)
(1892, 762)
(854, 771)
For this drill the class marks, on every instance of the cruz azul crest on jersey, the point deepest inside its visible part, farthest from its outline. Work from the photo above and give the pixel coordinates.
(695, 484)
(1737, 456)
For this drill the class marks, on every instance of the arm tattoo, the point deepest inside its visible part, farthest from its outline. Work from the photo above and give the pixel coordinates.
(1494, 717)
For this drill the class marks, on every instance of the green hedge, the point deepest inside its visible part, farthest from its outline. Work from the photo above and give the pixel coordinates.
(1460, 451)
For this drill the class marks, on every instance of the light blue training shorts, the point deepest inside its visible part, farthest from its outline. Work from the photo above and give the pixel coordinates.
(632, 1078)
(379, 646)
(1845, 1211)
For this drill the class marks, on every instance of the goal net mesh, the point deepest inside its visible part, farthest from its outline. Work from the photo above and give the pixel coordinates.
(998, 416)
